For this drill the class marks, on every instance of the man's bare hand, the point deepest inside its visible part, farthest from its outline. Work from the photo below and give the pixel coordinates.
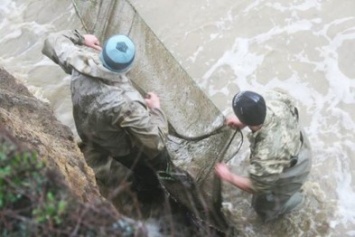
(223, 172)
(152, 100)
(92, 41)
(234, 122)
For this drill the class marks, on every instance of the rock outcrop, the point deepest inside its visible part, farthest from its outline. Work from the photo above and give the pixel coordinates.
(33, 123)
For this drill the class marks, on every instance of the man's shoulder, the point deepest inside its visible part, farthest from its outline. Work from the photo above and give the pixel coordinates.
(279, 95)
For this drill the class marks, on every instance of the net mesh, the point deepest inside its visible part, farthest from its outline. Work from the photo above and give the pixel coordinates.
(190, 112)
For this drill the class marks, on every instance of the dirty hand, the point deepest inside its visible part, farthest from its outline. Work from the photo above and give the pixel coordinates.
(234, 122)
(92, 41)
(223, 172)
(152, 100)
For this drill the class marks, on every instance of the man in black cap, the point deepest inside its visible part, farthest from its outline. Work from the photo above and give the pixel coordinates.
(280, 155)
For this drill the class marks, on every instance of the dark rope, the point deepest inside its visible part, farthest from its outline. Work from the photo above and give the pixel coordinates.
(214, 131)
(217, 190)
(240, 146)
(220, 157)
(217, 215)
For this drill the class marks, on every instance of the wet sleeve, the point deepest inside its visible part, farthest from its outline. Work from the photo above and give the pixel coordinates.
(147, 129)
(61, 47)
(159, 119)
(266, 165)
(262, 175)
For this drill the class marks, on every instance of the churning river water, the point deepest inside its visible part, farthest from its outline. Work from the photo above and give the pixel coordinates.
(306, 48)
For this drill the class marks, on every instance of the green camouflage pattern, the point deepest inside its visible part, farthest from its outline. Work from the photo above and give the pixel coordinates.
(276, 183)
(275, 143)
(112, 119)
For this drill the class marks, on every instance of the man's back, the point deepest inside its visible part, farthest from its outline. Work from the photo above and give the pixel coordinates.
(97, 109)
(107, 109)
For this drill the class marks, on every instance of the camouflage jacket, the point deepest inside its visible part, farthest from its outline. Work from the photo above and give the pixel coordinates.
(275, 143)
(107, 109)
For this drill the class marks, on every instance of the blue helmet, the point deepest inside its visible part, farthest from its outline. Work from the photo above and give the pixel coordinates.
(118, 53)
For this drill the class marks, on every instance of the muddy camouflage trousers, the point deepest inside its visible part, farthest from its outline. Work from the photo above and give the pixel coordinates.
(286, 194)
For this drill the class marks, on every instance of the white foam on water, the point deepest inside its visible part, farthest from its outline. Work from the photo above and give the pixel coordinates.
(12, 35)
(326, 106)
(11, 14)
(301, 6)
(23, 32)
(37, 92)
(244, 62)
(342, 91)
(4, 6)
(346, 199)
(239, 59)
(302, 40)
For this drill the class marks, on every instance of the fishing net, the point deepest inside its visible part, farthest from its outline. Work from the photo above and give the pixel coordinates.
(190, 112)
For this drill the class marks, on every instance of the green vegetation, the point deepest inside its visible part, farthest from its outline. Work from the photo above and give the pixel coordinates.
(35, 202)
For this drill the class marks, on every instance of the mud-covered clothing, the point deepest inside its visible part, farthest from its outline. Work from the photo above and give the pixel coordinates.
(107, 109)
(110, 115)
(109, 173)
(280, 158)
(115, 125)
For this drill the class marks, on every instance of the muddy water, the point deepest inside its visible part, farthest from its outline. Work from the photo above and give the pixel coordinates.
(306, 48)
(23, 27)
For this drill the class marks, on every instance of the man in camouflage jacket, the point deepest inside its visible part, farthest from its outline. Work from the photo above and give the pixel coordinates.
(280, 155)
(113, 120)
